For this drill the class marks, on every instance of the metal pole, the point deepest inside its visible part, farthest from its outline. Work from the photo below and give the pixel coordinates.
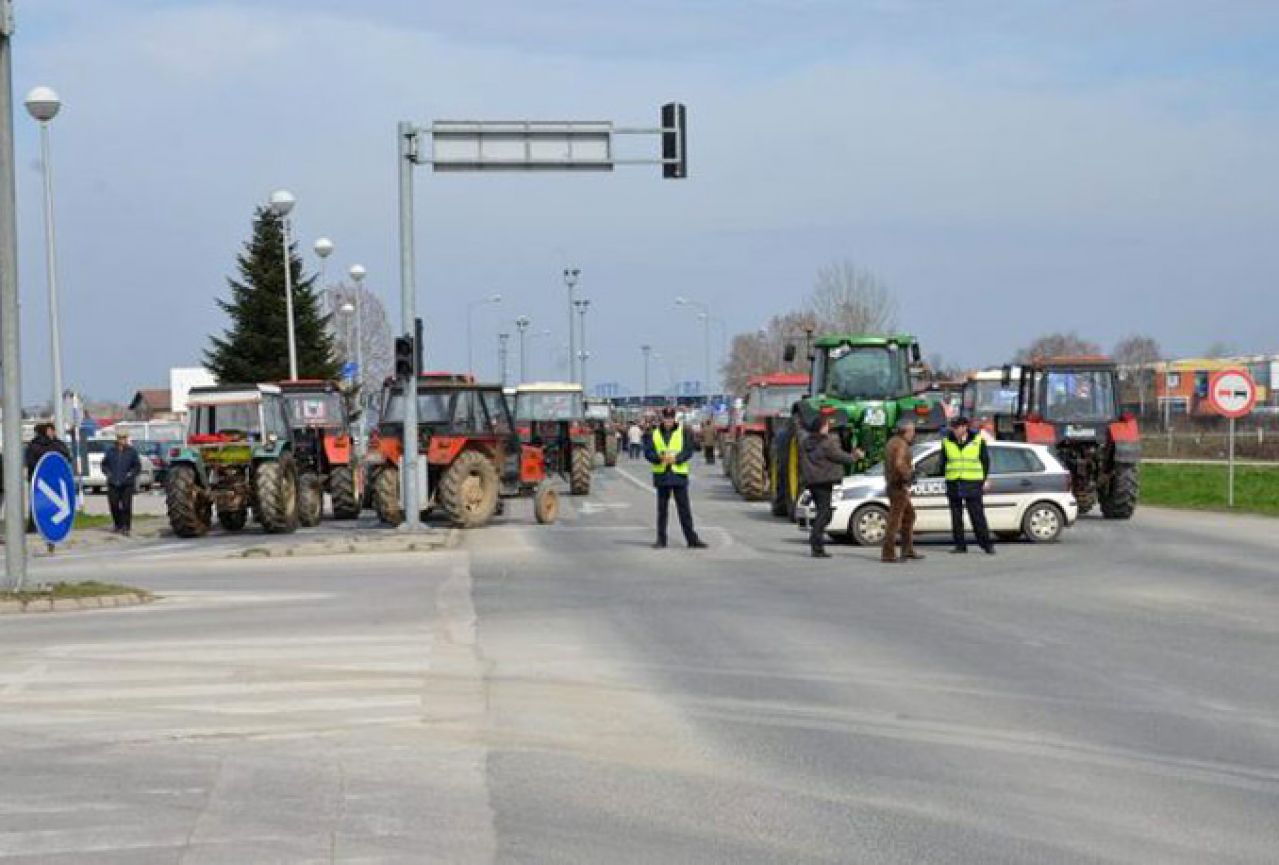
(51, 270)
(582, 306)
(407, 138)
(646, 349)
(570, 280)
(1230, 498)
(501, 356)
(288, 300)
(470, 327)
(15, 549)
(706, 360)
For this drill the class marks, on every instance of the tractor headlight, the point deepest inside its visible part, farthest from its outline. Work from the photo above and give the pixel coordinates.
(875, 416)
(272, 438)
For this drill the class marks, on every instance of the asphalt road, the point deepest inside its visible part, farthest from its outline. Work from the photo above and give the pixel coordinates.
(567, 695)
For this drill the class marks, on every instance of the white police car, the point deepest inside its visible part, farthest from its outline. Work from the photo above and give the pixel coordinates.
(1027, 495)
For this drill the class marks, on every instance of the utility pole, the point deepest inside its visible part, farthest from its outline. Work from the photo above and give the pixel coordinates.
(521, 325)
(407, 136)
(15, 549)
(570, 280)
(648, 351)
(583, 305)
(501, 356)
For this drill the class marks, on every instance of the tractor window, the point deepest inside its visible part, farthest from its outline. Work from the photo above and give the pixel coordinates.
(432, 407)
(863, 372)
(314, 410)
(1078, 397)
(233, 418)
(465, 415)
(495, 409)
(775, 400)
(989, 398)
(565, 405)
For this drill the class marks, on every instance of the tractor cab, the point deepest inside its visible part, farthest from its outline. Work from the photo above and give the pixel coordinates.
(324, 445)
(989, 394)
(552, 416)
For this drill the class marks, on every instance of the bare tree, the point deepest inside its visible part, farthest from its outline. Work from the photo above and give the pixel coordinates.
(1136, 356)
(761, 352)
(1057, 345)
(375, 332)
(851, 299)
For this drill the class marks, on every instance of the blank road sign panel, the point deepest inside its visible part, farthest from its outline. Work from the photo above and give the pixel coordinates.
(521, 146)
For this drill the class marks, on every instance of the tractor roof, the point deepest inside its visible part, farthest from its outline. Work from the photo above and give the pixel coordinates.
(994, 374)
(549, 387)
(1074, 361)
(309, 385)
(834, 340)
(779, 379)
(223, 394)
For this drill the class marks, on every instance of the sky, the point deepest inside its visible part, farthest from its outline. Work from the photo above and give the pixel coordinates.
(1007, 168)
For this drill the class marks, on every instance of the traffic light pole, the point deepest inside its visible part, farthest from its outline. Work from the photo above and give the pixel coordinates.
(408, 311)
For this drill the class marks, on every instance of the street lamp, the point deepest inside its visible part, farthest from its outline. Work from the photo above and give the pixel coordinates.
(521, 325)
(43, 105)
(502, 339)
(323, 249)
(281, 204)
(706, 323)
(570, 280)
(357, 274)
(470, 316)
(648, 353)
(582, 306)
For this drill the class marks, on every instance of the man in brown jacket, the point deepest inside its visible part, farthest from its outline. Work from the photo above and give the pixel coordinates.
(898, 471)
(822, 462)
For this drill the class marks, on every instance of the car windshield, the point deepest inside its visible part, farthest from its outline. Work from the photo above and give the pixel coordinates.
(985, 398)
(314, 409)
(863, 372)
(916, 451)
(774, 398)
(432, 407)
(548, 406)
(225, 418)
(1078, 396)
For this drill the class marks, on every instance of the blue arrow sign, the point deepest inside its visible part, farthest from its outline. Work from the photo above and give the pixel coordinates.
(53, 497)
(349, 369)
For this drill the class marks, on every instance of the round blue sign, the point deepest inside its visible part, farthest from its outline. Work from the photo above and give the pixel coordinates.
(53, 497)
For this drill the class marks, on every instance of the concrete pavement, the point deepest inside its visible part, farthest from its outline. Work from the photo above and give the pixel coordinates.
(565, 694)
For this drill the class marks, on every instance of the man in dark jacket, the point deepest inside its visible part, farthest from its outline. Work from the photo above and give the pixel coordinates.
(668, 450)
(822, 462)
(898, 475)
(46, 441)
(965, 462)
(121, 466)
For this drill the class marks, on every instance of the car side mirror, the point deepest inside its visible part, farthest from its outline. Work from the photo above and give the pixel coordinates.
(788, 353)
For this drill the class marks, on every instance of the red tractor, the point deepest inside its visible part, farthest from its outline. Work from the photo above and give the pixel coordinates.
(748, 443)
(473, 454)
(1072, 403)
(324, 450)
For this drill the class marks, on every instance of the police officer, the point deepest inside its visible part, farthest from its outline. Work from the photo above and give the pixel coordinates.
(965, 461)
(668, 449)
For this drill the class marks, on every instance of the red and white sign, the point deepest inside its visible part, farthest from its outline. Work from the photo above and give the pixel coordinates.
(1232, 392)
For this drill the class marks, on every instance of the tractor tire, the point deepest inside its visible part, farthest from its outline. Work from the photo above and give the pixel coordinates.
(725, 460)
(1086, 499)
(233, 521)
(346, 505)
(751, 466)
(189, 515)
(546, 505)
(579, 479)
(385, 490)
(786, 473)
(276, 488)
(310, 500)
(468, 489)
(610, 451)
(1121, 501)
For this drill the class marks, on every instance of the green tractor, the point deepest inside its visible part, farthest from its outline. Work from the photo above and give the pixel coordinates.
(238, 458)
(872, 378)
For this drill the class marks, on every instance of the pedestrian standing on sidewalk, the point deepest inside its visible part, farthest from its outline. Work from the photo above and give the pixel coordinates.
(121, 466)
(635, 440)
(899, 473)
(822, 462)
(965, 463)
(668, 450)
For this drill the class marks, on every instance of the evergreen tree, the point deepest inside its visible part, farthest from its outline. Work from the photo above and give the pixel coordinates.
(255, 348)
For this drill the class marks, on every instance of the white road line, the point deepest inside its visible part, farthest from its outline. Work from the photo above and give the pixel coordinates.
(646, 487)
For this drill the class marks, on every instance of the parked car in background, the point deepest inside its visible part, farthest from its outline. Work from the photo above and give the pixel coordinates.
(95, 481)
(158, 451)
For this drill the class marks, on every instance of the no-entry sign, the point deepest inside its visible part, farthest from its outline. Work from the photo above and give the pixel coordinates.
(1232, 392)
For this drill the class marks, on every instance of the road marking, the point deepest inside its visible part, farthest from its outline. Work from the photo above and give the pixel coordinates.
(630, 477)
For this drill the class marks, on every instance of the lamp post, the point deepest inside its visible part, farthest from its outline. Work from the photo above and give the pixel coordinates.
(502, 339)
(357, 274)
(521, 325)
(281, 204)
(43, 105)
(470, 316)
(583, 305)
(706, 324)
(323, 249)
(570, 280)
(648, 353)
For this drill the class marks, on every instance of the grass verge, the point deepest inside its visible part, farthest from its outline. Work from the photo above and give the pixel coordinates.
(1203, 487)
(59, 591)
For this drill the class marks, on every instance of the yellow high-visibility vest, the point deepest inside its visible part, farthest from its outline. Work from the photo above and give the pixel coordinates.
(964, 463)
(674, 446)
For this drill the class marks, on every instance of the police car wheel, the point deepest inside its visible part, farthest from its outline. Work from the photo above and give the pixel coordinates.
(1042, 523)
(869, 525)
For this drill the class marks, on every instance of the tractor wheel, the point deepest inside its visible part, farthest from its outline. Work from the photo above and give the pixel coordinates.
(386, 495)
(579, 479)
(468, 489)
(786, 473)
(725, 461)
(751, 465)
(276, 487)
(546, 504)
(1086, 499)
(1121, 500)
(610, 450)
(233, 520)
(189, 512)
(310, 500)
(346, 505)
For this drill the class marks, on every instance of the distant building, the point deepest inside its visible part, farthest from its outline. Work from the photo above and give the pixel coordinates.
(181, 380)
(151, 404)
(1181, 386)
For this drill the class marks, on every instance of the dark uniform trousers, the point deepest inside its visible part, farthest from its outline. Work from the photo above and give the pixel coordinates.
(682, 507)
(821, 494)
(967, 495)
(120, 500)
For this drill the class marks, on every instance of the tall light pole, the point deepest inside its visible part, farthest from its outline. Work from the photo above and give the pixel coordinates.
(323, 249)
(521, 326)
(583, 305)
(470, 316)
(648, 352)
(43, 105)
(282, 202)
(357, 274)
(706, 324)
(571, 275)
(502, 339)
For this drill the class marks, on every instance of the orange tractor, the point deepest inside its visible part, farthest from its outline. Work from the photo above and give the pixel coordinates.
(324, 450)
(473, 455)
(748, 444)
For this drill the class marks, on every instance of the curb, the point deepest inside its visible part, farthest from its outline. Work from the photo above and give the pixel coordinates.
(64, 605)
(353, 546)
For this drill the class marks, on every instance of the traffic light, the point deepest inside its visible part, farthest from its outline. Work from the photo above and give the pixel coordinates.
(404, 361)
(674, 141)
